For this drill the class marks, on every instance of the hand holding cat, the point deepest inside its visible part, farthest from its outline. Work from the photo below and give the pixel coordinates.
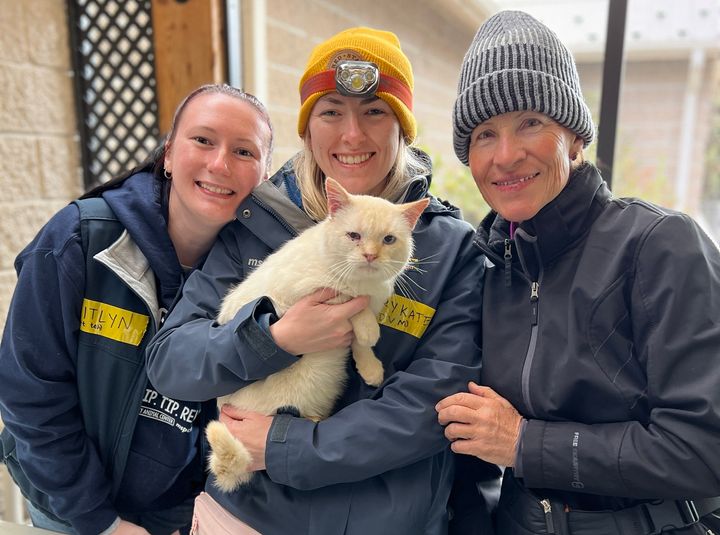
(312, 324)
(252, 429)
(481, 423)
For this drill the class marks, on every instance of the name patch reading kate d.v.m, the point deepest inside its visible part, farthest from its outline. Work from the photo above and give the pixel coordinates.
(406, 315)
(113, 322)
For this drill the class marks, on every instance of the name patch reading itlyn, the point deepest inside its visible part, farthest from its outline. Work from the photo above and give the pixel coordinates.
(113, 322)
(406, 315)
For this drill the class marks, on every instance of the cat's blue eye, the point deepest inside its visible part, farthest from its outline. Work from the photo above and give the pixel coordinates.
(354, 236)
(387, 240)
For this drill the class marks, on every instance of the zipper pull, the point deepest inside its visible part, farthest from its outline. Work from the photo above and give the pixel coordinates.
(508, 262)
(547, 509)
(534, 296)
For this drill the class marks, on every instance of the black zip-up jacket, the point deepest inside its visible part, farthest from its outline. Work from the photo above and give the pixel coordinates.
(601, 325)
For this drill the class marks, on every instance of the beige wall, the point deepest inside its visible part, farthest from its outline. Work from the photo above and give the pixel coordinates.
(651, 132)
(39, 155)
(650, 126)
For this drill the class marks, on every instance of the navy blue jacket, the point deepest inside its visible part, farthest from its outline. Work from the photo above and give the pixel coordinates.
(381, 463)
(71, 397)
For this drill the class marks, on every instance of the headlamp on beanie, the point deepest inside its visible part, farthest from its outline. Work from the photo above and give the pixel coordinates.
(357, 78)
(360, 62)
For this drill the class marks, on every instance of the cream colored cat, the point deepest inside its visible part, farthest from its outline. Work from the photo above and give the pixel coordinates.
(359, 249)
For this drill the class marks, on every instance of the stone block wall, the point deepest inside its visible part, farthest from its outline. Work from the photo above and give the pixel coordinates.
(39, 150)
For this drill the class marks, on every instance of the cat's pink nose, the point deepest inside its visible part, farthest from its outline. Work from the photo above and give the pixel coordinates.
(370, 257)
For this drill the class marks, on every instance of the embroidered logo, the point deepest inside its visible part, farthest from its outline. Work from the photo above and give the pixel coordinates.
(406, 315)
(342, 55)
(113, 322)
(254, 262)
(177, 414)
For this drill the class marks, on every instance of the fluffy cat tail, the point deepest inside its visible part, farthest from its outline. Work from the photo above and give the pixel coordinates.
(229, 459)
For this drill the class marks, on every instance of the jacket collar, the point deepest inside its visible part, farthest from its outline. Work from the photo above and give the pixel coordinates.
(140, 204)
(280, 196)
(124, 258)
(559, 223)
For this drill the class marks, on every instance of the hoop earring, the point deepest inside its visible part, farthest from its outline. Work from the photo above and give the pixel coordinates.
(168, 176)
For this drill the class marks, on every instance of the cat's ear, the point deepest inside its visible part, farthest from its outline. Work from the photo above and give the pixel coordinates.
(337, 197)
(412, 210)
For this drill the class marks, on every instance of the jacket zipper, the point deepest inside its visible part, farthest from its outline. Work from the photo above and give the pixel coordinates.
(293, 231)
(130, 416)
(534, 296)
(507, 257)
(534, 317)
(527, 365)
(547, 509)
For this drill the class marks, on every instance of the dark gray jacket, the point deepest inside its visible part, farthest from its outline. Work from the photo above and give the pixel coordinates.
(380, 464)
(602, 327)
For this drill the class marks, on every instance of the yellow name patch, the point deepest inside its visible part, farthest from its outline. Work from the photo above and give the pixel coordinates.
(113, 322)
(406, 315)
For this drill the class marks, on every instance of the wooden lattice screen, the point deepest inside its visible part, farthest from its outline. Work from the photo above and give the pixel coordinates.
(113, 60)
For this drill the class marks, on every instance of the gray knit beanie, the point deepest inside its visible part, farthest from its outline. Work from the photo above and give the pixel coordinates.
(516, 63)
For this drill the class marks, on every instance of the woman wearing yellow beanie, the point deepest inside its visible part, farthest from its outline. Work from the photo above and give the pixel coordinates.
(357, 82)
(380, 463)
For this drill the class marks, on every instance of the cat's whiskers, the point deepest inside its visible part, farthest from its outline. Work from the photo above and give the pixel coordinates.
(413, 267)
(425, 259)
(415, 263)
(402, 283)
(338, 274)
(395, 267)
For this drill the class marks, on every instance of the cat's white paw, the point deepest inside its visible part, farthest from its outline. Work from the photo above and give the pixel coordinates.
(367, 333)
(371, 370)
(229, 459)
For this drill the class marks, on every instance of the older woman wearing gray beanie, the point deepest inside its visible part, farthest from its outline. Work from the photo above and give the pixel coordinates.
(601, 316)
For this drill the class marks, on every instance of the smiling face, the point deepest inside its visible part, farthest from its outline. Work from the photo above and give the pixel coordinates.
(354, 140)
(521, 161)
(216, 157)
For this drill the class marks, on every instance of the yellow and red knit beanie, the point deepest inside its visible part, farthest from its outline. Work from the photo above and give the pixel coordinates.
(361, 44)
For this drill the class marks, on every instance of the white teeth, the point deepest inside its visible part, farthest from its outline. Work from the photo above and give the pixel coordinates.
(214, 189)
(514, 180)
(353, 159)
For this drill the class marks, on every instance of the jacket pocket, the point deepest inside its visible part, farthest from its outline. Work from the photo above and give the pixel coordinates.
(611, 340)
